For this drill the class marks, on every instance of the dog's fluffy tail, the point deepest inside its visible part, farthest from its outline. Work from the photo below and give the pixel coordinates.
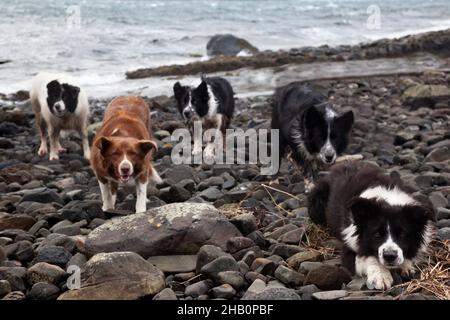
(317, 202)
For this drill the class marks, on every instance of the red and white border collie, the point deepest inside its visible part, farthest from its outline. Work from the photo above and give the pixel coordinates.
(121, 152)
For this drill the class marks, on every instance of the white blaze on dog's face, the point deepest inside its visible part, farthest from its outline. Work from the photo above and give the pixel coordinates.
(326, 135)
(388, 225)
(390, 253)
(125, 158)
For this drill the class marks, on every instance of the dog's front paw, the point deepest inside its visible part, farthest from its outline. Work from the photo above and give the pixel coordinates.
(407, 270)
(380, 279)
(54, 156)
(309, 185)
(42, 151)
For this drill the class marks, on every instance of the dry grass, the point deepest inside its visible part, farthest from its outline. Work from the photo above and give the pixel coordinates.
(315, 240)
(231, 210)
(434, 275)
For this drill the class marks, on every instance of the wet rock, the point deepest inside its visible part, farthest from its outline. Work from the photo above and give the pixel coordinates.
(295, 260)
(224, 291)
(3, 256)
(179, 173)
(9, 129)
(6, 143)
(236, 244)
(356, 284)
(53, 255)
(246, 223)
(69, 230)
(46, 196)
(232, 278)
(443, 213)
(425, 95)
(307, 266)
(208, 253)
(15, 295)
(438, 200)
(211, 194)
(117, 275)
(252, 276)
(45, 272)
(330, 295)
(16, 221)
(289, 276)
(174, 194)
(15, 276)
(174, 263)
(165, 294)
(328, 277)
(179, 228)
(199, 288)
(273, 294)
(444, 234)
(5, 288)
(263, 266)
(292, 237)
(282, 230)
(78, 260)
(223, 263)
(438, 155)
(285, 250)
(24, 251)
(228, 44)
(37, 226)
(43, 291)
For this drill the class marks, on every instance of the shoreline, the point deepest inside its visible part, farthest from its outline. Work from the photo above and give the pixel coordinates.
(434, 42)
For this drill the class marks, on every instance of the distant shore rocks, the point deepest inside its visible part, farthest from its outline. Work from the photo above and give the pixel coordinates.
(229, 45)
(436, 42)
(177, 228)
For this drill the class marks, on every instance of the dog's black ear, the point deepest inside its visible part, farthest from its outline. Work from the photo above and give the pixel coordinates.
(53, 88)
(103, 144)
(313, 118)
(202, 88)
(73, 91)
(177, 90)
(345, 121)
(419, 214)
(362, 209)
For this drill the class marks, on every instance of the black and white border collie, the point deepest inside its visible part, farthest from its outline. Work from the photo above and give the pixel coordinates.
(59, 104)
(212, 102)
(310, 126)
(380, 224)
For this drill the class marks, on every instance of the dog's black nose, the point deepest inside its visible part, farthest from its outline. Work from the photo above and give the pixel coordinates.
(389, 256)
(187, 114)
(57, 107)
(329, 158)
(125, 170)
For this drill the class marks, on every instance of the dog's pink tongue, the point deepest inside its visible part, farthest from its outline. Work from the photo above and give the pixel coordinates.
(124, 178)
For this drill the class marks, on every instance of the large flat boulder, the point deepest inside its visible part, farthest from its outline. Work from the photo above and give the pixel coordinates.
(177, 228)
(117, 276)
